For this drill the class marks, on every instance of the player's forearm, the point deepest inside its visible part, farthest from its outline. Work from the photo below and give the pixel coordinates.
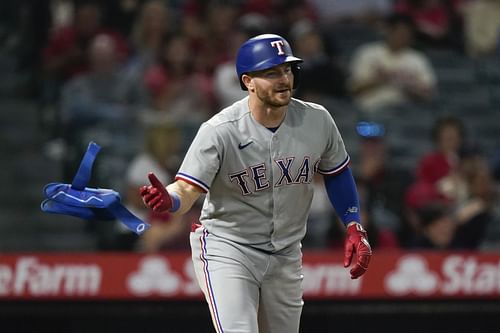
(343, 195)
(187, 195)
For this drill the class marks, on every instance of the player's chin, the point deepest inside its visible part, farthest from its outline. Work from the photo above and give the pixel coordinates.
(283, 97)
(277, 103)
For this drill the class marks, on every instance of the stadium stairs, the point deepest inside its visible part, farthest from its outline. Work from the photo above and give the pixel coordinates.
(25, 169)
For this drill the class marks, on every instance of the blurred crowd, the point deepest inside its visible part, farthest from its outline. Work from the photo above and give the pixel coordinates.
(139, 77)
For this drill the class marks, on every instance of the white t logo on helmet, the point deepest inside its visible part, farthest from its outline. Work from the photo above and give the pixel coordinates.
(279, 45)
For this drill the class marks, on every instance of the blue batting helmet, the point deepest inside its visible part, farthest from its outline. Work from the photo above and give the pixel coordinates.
(263, 52)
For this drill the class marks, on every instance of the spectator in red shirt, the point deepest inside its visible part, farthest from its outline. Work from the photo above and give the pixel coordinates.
(65, 54)
(436, 170)
(436, 21)
(448, 137)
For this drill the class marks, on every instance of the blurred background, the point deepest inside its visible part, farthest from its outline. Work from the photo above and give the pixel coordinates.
(413, 85)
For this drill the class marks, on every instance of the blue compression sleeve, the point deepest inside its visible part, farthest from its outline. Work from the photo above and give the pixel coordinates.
(343, 195)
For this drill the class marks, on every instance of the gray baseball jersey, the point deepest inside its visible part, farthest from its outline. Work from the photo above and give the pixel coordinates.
(246, 254)
(259, 183)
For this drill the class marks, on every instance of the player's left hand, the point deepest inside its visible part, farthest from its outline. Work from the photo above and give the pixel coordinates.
(357, 241)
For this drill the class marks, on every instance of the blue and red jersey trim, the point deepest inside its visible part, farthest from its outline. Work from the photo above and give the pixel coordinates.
(336, 169)
(193, 181)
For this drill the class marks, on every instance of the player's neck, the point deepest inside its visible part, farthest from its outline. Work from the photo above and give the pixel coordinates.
(266, 115)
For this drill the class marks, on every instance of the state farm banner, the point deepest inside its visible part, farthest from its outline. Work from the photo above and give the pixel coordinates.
(123, 276)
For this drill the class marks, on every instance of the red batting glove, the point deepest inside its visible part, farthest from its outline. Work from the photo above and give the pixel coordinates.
(156, 196)
(357, 241)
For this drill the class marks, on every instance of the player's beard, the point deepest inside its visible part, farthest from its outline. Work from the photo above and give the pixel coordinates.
(275, 98)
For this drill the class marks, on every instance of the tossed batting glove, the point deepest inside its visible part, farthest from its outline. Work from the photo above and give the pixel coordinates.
(156, 196)
(357, 241)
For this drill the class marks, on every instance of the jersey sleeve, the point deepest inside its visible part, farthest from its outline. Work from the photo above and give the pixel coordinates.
(335, 158)
(202, 160)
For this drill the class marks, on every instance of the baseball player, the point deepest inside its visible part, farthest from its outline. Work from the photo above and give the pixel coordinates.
(255, 160)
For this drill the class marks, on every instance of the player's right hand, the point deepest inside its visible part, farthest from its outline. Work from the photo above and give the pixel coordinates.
(156, 196)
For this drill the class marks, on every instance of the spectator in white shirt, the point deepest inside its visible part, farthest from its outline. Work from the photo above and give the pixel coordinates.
(390, 72)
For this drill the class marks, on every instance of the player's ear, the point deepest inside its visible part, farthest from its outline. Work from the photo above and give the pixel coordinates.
(248, 82)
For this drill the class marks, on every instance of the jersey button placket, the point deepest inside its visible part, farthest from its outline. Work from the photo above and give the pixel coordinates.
(275, 154)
